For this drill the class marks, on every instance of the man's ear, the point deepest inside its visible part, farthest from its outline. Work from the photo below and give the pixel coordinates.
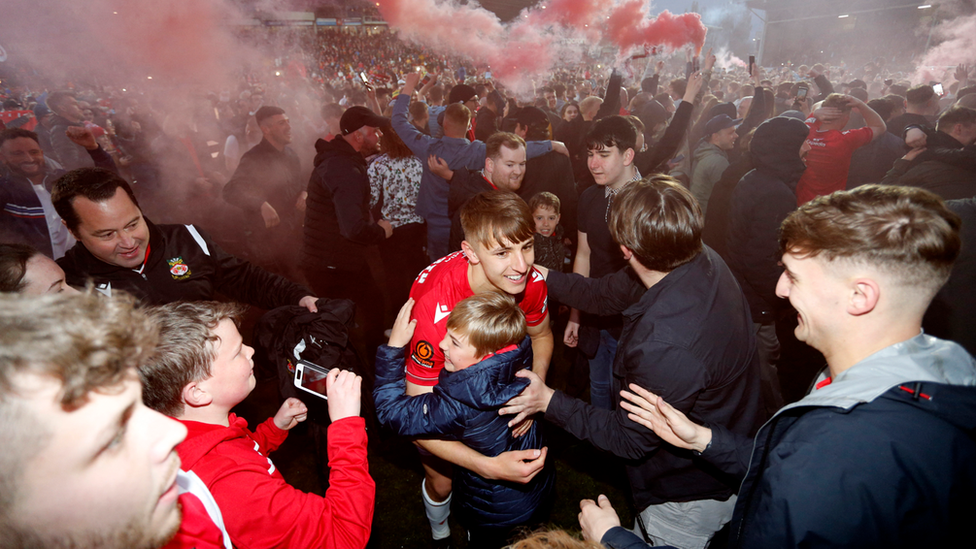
(629, 157)
(195, 396)
(469, 253)
(73, 233)
(626, 251)
(489, 166)
(865, 293)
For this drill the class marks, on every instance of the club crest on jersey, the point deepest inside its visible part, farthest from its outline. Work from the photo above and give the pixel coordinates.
(423, 354)
(178, 268)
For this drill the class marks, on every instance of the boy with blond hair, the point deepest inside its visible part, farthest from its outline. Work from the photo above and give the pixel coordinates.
(484, 346)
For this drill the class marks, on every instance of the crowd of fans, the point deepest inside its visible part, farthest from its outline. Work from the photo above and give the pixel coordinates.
(635, 221)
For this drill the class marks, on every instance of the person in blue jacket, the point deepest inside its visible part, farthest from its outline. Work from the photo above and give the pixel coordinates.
(485, 345)
(455, 150)
(881, 452)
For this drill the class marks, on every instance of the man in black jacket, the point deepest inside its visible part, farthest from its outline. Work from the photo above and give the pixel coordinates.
(687, 331)
(760, 202)
(268, 186)
(338, 226)
(922, 106)
(944, 160)
(119, 249)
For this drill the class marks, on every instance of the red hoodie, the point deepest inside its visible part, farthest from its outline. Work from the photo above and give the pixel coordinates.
(260, 509)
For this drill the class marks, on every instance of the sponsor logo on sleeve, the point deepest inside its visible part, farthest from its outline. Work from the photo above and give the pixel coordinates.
(423, 354)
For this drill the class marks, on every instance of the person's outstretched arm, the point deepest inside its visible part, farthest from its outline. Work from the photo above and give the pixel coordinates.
(720, 447)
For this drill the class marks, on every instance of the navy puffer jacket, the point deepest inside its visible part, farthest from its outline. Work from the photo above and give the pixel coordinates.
(464, 406)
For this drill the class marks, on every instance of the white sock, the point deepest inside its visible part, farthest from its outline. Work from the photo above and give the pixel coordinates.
(437, 513)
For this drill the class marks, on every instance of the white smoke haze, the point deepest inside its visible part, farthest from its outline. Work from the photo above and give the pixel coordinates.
(726, 60)
(178, 42)
(957, 45)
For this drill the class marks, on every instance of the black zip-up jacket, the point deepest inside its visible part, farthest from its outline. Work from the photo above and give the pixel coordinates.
(266, 174)
(337, 222)
(688, 338)
(720, 203)
(184, 264)
(760, 202)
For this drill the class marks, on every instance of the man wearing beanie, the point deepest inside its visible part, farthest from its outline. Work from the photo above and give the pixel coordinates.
(338, 227)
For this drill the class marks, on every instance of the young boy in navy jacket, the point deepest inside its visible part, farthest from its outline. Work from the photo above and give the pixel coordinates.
(485, 345)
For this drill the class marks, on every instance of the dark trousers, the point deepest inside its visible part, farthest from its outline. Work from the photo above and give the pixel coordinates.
(359, 287)
(404, 255)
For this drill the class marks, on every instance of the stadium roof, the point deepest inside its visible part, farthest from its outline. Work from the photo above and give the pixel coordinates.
(780, 9)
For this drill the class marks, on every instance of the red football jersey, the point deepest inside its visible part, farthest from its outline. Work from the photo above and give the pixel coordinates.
(829, 160)
(435, 292)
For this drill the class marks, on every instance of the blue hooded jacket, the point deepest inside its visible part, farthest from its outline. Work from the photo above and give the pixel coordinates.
(464, 406)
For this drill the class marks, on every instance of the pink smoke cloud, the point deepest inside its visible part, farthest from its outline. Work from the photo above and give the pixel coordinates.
(549, 33)
(958, 46)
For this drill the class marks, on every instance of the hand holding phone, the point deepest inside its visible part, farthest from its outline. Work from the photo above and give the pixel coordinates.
(311, 378)
(344, 394)
(801, 92)
(939, 90)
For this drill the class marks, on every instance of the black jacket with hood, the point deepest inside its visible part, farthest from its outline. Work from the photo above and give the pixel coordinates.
(760, 202)
(337, 222)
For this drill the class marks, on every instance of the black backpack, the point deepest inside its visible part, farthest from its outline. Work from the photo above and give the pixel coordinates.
(286, 334)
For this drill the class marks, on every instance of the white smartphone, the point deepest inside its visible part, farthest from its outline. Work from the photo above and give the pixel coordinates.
(311, 378)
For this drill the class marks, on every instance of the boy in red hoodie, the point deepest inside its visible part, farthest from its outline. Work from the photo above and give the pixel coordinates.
(199, 372)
